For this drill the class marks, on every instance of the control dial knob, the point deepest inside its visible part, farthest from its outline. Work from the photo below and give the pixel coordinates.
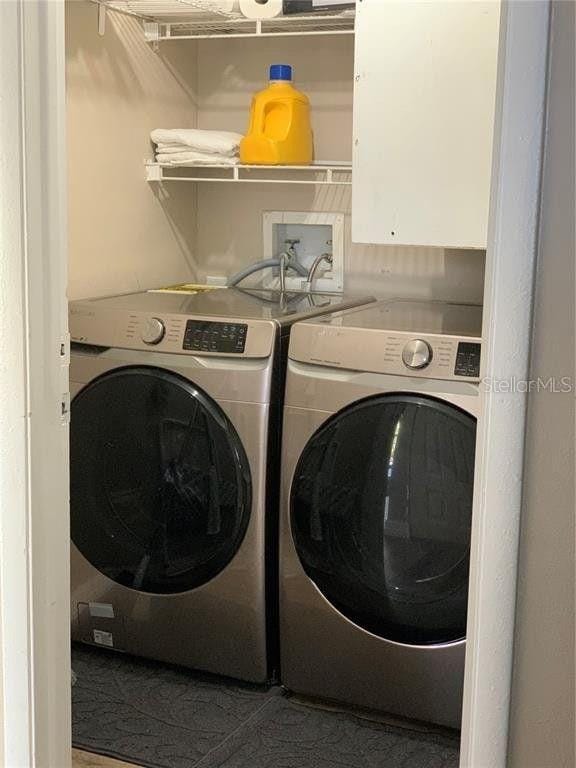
(153, 331)
(417, 354)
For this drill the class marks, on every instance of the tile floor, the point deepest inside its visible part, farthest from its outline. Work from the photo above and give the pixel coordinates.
(88, 760)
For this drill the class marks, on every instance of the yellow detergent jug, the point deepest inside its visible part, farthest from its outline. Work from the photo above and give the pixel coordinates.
(279, 132)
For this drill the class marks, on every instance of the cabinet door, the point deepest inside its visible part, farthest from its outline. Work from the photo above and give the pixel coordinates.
(424, 104)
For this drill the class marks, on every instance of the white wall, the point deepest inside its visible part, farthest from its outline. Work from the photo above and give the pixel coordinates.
(542, 717)
(124, 234)
(230, 217)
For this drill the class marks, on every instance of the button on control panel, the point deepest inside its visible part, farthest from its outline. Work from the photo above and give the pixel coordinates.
(467, 359)
(208, 336)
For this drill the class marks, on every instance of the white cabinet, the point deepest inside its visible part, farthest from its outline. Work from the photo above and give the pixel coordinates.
(425, 83)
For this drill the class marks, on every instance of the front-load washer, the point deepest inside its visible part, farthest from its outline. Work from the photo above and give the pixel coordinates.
(175, 420)
(378, 466)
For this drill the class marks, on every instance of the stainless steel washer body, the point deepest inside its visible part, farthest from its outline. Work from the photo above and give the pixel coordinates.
(174, 454)
(377, 473)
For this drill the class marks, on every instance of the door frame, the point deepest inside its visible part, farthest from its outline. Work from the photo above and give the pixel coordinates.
(506, 332)
(34, 351)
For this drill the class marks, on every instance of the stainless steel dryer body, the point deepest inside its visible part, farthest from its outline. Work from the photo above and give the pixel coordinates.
(377, 473)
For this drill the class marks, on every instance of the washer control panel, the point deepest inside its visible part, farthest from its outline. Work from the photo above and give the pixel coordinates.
(467, 359)
(174, 333)
(208, 336)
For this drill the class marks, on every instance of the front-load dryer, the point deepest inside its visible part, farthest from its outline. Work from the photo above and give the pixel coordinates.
(378, 466)
(175, 421)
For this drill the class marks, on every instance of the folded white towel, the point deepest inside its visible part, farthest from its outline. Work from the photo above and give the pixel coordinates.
(174, 149)
(194, 158)
(219, 142)
(167, 149)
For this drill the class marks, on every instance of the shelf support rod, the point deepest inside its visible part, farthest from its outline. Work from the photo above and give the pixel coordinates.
(154, 172)
(152, 31)
(101, 19)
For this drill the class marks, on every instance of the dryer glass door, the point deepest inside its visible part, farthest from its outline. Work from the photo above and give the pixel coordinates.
(160, 482)
(381, 510)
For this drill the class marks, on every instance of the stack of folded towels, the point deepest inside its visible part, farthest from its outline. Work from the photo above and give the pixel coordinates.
(191, 146)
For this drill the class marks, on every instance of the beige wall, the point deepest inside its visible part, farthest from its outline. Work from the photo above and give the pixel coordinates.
(230, 217)
(124, 234)
(542, 727)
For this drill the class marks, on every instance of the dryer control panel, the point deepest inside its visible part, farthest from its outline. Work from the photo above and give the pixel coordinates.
(400, 337)
(467, 359)
(428, 356)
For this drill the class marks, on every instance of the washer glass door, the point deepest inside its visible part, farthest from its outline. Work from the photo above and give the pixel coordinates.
(381, 508)
(160, 482)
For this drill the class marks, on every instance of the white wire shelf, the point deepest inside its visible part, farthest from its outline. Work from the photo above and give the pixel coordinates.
(319, 174)
(181, 20)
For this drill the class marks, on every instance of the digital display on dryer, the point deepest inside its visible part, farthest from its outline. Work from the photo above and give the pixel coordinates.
(208, 336)
(467, 359)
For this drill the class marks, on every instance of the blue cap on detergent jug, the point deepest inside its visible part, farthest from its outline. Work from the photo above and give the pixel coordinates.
(280, 72)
